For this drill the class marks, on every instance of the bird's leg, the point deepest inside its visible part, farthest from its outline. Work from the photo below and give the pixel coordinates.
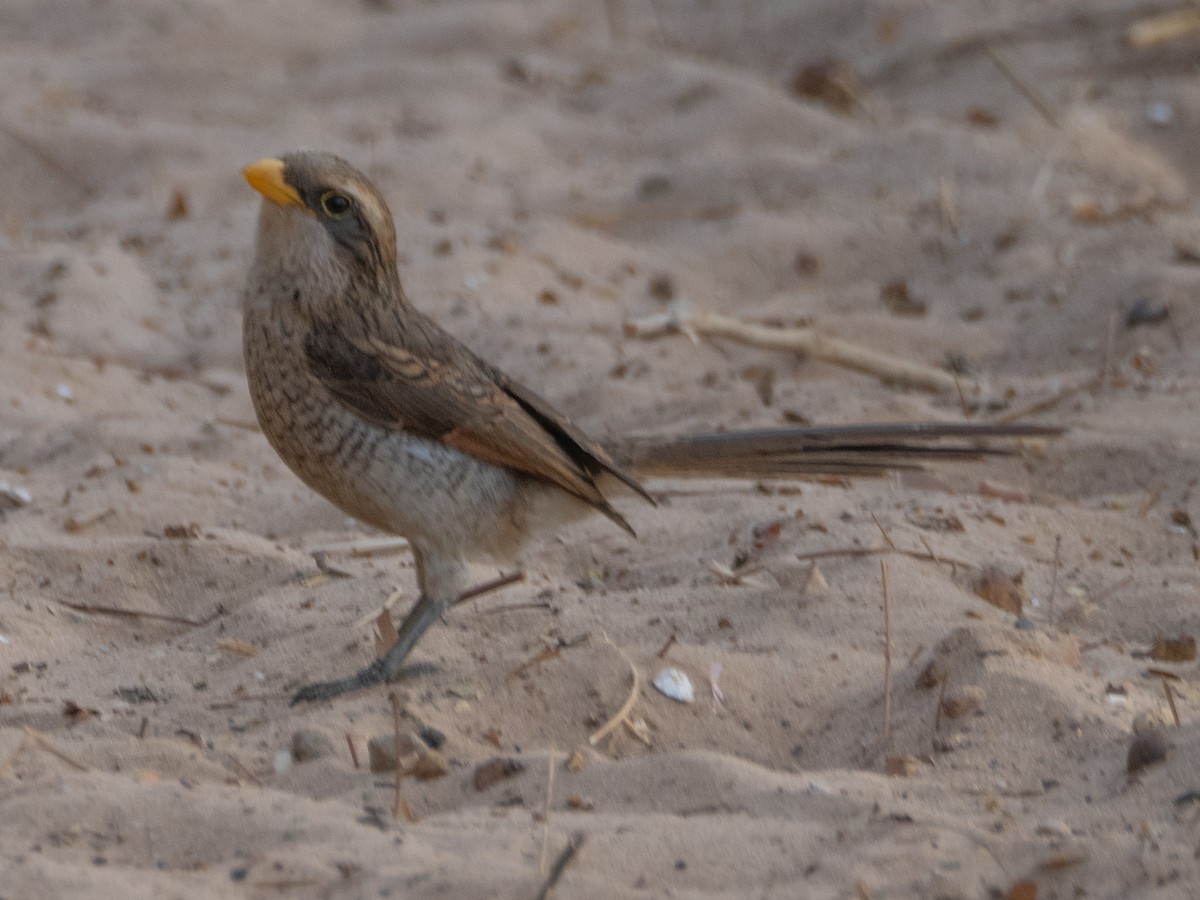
(439, 581)
(385, 668)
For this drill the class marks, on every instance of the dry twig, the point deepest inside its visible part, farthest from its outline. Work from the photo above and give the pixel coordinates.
(399, 804)
(626, 708)
(546, 808)
(487, 587)
(1164, 679)
(876, 551)
(560, 865)
(99, 610)
(1163, 27)
(1054, 577)
(887, 655)
(806, 341)
(1024, 86)
(43, 743)
(886, 537)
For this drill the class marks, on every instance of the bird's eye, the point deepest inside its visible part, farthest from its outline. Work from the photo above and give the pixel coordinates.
(335, 205)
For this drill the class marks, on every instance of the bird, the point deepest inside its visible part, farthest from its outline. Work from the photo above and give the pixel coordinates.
(400, 425)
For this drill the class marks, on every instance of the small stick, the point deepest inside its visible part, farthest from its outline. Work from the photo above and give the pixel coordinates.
(325, 568)
(1152, 498)
(373, 616)
(353, 752)
(247, 698)
(546, 808)
(1170, 700)
(1054, 577)
(962, 397)
(626, 708)
(1109, 340)
(928, 548)
(1112, 589)
(143, 726)
(518, 607)
(806, 341)
(877, 551)
(127, 613)
(948, 205)
(399, 804)
(887, 655)
(237, 423)
(1027, 90)
(365, 547)
(47, 159)
(883, 531)
(43, 743)
(1024, 412)
(487, 587)
(237, 763)
(1163, 27)
(560, 865)
(667, 645)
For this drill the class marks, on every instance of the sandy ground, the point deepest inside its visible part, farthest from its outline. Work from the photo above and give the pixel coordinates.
(551, 171)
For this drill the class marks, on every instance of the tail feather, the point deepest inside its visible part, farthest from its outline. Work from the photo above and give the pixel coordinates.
(818, 450)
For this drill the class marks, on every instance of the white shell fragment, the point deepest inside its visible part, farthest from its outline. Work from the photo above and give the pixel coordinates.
(12, 497)
(675, 684)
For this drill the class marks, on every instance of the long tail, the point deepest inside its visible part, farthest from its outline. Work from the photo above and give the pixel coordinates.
(836, 450)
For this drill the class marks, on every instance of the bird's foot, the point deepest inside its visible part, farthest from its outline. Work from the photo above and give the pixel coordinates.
(326, 690)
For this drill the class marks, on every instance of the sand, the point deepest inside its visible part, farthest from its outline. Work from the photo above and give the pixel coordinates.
(555, 174)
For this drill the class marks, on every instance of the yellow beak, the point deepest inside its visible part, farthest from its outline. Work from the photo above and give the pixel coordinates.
(266, 177)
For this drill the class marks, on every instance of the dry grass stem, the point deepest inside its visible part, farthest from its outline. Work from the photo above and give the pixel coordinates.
(400, 808)
(560, 865)
(887, 654)
(876, 551)
(1166, 686)
(100, 610)
(626, 708)
(43, 743)
(886, 537)
(1054, 576)
(806, 341)
(487, 587)
(365, 547)
(1164, 27)
(49, 160)
(546, 809)
(1024, 86)
(667, 645)
(1040, 406)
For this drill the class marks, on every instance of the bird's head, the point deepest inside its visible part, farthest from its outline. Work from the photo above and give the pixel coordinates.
(323, 229)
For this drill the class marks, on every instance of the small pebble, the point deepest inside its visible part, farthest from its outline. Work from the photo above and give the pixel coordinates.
(495, 770)
(1146, 749)
(432, 737)
(416, 757)
(1160, 113)
(308, 744)
(960, 701)
(282, 762)
(13, 497)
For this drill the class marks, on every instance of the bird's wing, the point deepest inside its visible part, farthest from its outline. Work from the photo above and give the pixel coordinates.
(462, 403)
